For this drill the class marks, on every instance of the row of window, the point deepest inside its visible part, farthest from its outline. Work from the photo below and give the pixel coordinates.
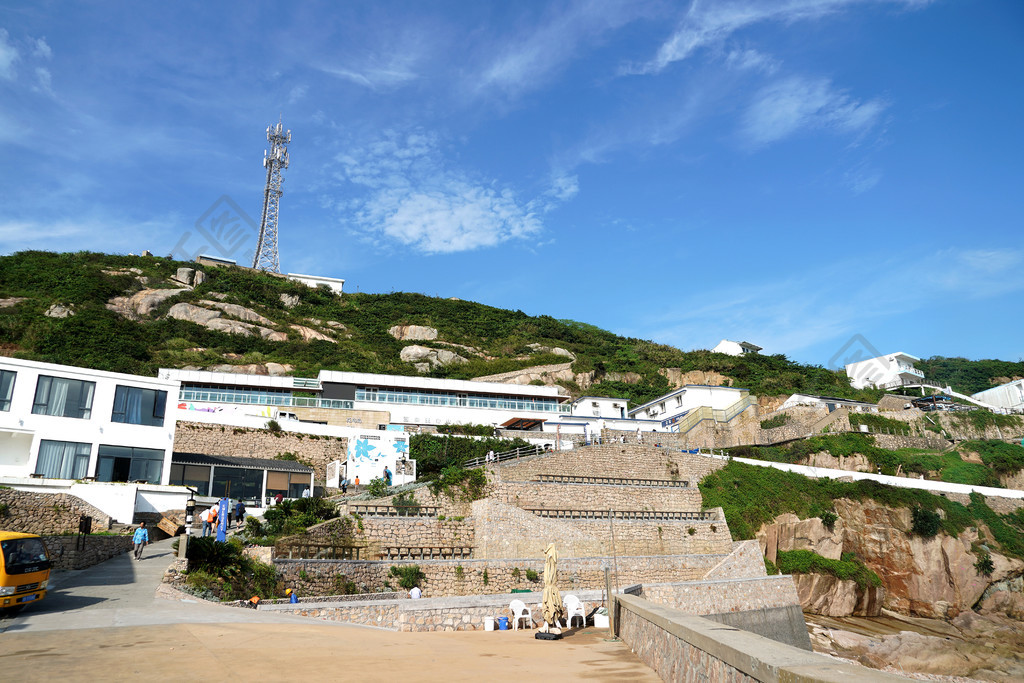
(62, 397)
(238, 482)
(70, 460)
(428, 398)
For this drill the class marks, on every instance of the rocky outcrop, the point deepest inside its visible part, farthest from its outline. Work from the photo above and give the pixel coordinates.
(677, 378)
(1004, 597)
(309, 334)
(240, 312)
(289, 300)
(265, 369)
(59, 311)
(548, 374)
(190, 277)
(850, 463)
(413, 333)
(12, 301)
(554, 350)
(424, 358)
(789, 532)
(212, 319)
(833, 597)
(624, 377)
(142, 303)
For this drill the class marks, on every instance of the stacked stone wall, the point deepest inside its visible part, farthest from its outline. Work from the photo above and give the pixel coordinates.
(243, 442)
(745, 561)
(630, 460)
(702, 598)
(444, 578)
(560, 496)
(41, 513)
(360, 419)
(64, 551)
(420, 532)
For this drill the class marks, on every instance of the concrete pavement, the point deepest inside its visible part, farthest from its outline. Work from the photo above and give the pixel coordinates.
(104, 623)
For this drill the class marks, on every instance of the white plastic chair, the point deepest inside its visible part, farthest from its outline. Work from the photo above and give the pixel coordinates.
(574, 608)
(520, 611)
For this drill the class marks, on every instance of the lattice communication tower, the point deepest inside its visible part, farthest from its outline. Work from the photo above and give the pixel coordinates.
(275, 160)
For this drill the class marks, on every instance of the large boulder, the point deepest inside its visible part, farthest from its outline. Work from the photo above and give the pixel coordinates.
(289, 300)
(413, 333)
(142, 303)
(240, 312)
(59, 311)
(554, 350)
(13, 301)
(789, 532)
(309, 334)
(677, 378)
(265, 369)
(424, 358)
(833, 597)
(212, 319)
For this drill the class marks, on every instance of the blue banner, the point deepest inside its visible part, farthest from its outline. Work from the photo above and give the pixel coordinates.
(222, 520)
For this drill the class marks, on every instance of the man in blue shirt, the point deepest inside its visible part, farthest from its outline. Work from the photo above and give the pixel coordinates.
(140, 539)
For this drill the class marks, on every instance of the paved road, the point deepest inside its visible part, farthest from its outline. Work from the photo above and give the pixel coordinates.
(104, 623)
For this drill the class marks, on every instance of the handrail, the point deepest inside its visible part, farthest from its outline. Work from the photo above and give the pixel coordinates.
(613, 481)
(426, 552)
(514, 454)
(652, 515)
(396, 510)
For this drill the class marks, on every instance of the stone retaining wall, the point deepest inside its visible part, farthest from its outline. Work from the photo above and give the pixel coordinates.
(444, 578)
(690, 648)
(64, 555)
(630, 460)
(702, 598)
(33, 512)
(243, 442)
(597, 496)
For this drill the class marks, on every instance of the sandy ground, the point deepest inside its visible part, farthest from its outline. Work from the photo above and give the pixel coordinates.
(284, 652)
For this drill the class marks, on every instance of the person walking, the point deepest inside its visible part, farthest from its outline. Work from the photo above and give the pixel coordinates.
(209, 520)
(140, 539)
(387, 475)
(344, 485)
(240, 514)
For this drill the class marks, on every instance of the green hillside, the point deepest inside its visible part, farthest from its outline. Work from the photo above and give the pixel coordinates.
(970, 376)
(498, 340)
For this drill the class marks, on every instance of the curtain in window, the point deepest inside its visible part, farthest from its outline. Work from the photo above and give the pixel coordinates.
(133, 406)
(63, 459)
(85, 406)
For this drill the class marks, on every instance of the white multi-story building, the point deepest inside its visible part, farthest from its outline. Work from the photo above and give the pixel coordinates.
(63, 422)
(885, 372)
(665, 411)
(735, 348)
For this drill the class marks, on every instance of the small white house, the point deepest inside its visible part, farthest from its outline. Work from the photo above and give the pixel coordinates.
(829, 403)
(64, 422)
(1009, 396)
(599, 407)
(884, 372)
(735, 348)
(333, 283)
(678, 403)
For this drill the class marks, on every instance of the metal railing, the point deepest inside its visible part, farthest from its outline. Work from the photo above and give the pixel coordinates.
(395, 510)
(311, 550)
(425, 399)
(426, 553)
(641, 515)
(613, 481)
(244, 398)
(507, 455)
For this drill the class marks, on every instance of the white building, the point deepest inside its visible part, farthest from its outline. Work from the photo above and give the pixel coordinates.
(599, 407)
(885, 372)
(333, 283)
(734, 348)
(63, 422)
(667, 410)
(830, 403)
(1009, 396)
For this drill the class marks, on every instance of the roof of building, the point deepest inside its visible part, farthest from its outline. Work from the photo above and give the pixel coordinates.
(235, 461)
(834, 399)
(431, 383)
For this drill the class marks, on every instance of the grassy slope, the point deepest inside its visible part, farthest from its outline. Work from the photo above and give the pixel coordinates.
(969, 376)
(99, 338)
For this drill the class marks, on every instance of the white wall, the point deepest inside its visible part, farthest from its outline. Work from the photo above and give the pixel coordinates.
(118, 500)
(688, 398)
(1009, 396)
(97, 430)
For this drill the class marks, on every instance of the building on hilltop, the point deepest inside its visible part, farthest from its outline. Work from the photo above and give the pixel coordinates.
(666, 412)
(830, 403)
(734, 348)
(335, 284)
(885, 372)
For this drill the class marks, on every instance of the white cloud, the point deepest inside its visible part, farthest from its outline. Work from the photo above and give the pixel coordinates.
(786, 106)
(8, 56)
(862, 178)
(42, 49)
(415, 199)
(296, 94)
(751, 60)
(44, 79)
(711, 23)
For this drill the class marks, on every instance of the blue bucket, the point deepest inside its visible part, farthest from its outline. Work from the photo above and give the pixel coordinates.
(502, 623)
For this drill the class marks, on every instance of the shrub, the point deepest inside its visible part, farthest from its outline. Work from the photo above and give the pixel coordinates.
(770, 568)
(531, 575)
(408, 575)
(377, 488)
(273, 426)
(984, 565)
(691, 531)
(460, 573)
(485, 577)
(406, 504)
(828, 519)
(778, 421)
(925, 523)
(515, 573)
(460, 484)
(344, 586)
(849, 568)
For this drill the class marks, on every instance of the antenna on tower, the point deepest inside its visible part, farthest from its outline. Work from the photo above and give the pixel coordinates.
(275, 160)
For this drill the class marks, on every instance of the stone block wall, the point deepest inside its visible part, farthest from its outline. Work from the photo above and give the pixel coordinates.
(318, 451)
(65, 555)
(444, 578)
(360, 419)
(557, 496)
(630, 460)
(33, 512)
(420, 532)
(745, 561)
(702, 598)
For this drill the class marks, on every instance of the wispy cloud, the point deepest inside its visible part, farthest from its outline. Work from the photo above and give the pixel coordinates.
(802, 311)
(414, 197)
(751, 60)
(711, 23)
(8, 56)
(784, 107)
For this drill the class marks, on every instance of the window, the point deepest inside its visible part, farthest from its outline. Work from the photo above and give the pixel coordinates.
(63, 459)
(6, 388)
(123, 463)
(136, 406)
(63, 397)
(193, 476)
(238, 482)
(288, 484)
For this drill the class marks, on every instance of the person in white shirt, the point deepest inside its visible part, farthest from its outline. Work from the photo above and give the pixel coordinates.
(415, 593)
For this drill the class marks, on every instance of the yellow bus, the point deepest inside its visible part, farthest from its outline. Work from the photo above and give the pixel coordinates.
(24, 570)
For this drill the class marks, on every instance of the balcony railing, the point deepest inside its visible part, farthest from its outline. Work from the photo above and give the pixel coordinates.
(418, 399)
(282, 400)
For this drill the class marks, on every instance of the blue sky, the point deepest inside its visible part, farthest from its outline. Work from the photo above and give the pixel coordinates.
(788, 172)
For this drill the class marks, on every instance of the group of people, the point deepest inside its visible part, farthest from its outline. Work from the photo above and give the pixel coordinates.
(236, 514)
